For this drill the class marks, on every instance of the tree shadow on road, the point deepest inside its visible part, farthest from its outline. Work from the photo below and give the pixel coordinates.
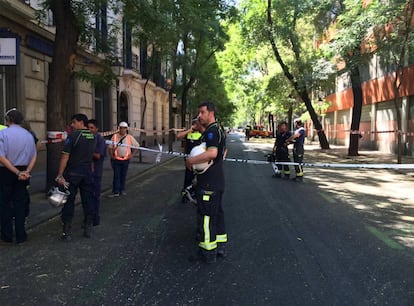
(384, 198)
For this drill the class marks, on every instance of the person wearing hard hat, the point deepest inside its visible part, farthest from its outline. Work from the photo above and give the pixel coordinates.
(122, 150)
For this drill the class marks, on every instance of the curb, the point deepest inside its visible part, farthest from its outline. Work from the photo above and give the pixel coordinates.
(52, 212)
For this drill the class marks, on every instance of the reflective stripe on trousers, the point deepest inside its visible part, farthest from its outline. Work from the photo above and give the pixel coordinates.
(207, 244)
(221, 238)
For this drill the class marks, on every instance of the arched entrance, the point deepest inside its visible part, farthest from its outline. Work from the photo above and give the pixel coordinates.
(123, 108)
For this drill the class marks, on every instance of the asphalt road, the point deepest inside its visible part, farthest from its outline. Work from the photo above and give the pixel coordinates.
(341, 237)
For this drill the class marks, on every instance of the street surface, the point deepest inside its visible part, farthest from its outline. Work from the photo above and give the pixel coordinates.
(340, 237)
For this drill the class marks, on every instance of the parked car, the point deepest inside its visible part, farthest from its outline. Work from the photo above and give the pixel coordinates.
(259, 131)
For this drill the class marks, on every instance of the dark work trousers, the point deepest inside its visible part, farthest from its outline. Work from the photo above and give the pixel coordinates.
(120, 168)
(97, 186)
(298, 158)
(13, 203)
(211, 229)
(188, 178)
(282, 155)
(82, 179)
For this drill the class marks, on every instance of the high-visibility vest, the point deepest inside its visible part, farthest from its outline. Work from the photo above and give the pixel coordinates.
(128, 148)
(194, 135)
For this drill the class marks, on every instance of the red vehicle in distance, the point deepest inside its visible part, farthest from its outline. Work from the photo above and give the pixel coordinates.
(259, 131)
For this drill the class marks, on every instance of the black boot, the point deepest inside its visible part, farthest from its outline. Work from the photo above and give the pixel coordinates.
(87, 226)
(209, 256)
(221, 250)
(66, 232)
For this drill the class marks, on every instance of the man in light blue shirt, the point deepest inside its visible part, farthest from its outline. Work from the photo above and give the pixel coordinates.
(17, 159)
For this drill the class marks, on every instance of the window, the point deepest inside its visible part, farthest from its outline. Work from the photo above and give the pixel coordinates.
(101, 29)
(127, 43)
(8, 88)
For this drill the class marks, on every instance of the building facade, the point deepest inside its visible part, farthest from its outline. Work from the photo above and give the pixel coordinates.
(26, 50)
(378, 125)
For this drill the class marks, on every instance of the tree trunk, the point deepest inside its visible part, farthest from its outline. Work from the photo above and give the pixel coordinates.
(171, 90)
(184, 95)
(142, 135)
(61, 79)
(397, 108)
(290, 114)
(301, 89)
(354, 135)
(323, 141)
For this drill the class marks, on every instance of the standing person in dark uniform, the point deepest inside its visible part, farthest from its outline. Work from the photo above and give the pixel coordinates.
(298, 139)
(75, 172)
(211, 232)
(98, 160)
(192, 139)
(25, 124)
(247, 132)
(281, 150)
(17, 158)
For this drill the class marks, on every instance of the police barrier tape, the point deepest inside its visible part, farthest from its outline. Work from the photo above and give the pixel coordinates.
(109, 133)
(354, 132)
(263, 162)
(358, 132)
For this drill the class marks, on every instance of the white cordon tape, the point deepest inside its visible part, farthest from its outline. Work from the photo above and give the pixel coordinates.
(263, 162)
(109, 133)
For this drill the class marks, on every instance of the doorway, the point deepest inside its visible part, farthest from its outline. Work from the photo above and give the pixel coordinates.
(123, 108)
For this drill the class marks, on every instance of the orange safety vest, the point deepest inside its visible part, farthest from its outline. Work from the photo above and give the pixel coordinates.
(128, 151)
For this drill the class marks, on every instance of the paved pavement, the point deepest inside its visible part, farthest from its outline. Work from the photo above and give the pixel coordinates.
(339, 154)
(339, 238)
(41, 211)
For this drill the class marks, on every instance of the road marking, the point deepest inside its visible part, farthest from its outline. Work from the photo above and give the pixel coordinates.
(384, 238)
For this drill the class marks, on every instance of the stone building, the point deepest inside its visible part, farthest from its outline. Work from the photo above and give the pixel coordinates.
(26, 49)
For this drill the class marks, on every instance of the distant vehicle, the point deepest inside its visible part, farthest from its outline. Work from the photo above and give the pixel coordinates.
(259, 131)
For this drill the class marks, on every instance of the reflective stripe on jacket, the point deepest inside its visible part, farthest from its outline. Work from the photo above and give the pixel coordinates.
(128, 147)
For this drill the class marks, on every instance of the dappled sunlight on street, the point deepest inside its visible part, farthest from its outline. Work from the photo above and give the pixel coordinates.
(383, 198)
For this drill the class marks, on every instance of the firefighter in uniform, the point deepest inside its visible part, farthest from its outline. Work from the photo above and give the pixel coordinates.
(192, 139)
(281, 150)
(298, 139)
(211, 232)
(75, 172)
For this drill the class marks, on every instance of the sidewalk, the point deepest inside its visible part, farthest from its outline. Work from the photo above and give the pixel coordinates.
(41, 210)
(339, 154)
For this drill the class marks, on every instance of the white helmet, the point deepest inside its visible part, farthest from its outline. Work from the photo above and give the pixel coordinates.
(58, 198)
(197, 150)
